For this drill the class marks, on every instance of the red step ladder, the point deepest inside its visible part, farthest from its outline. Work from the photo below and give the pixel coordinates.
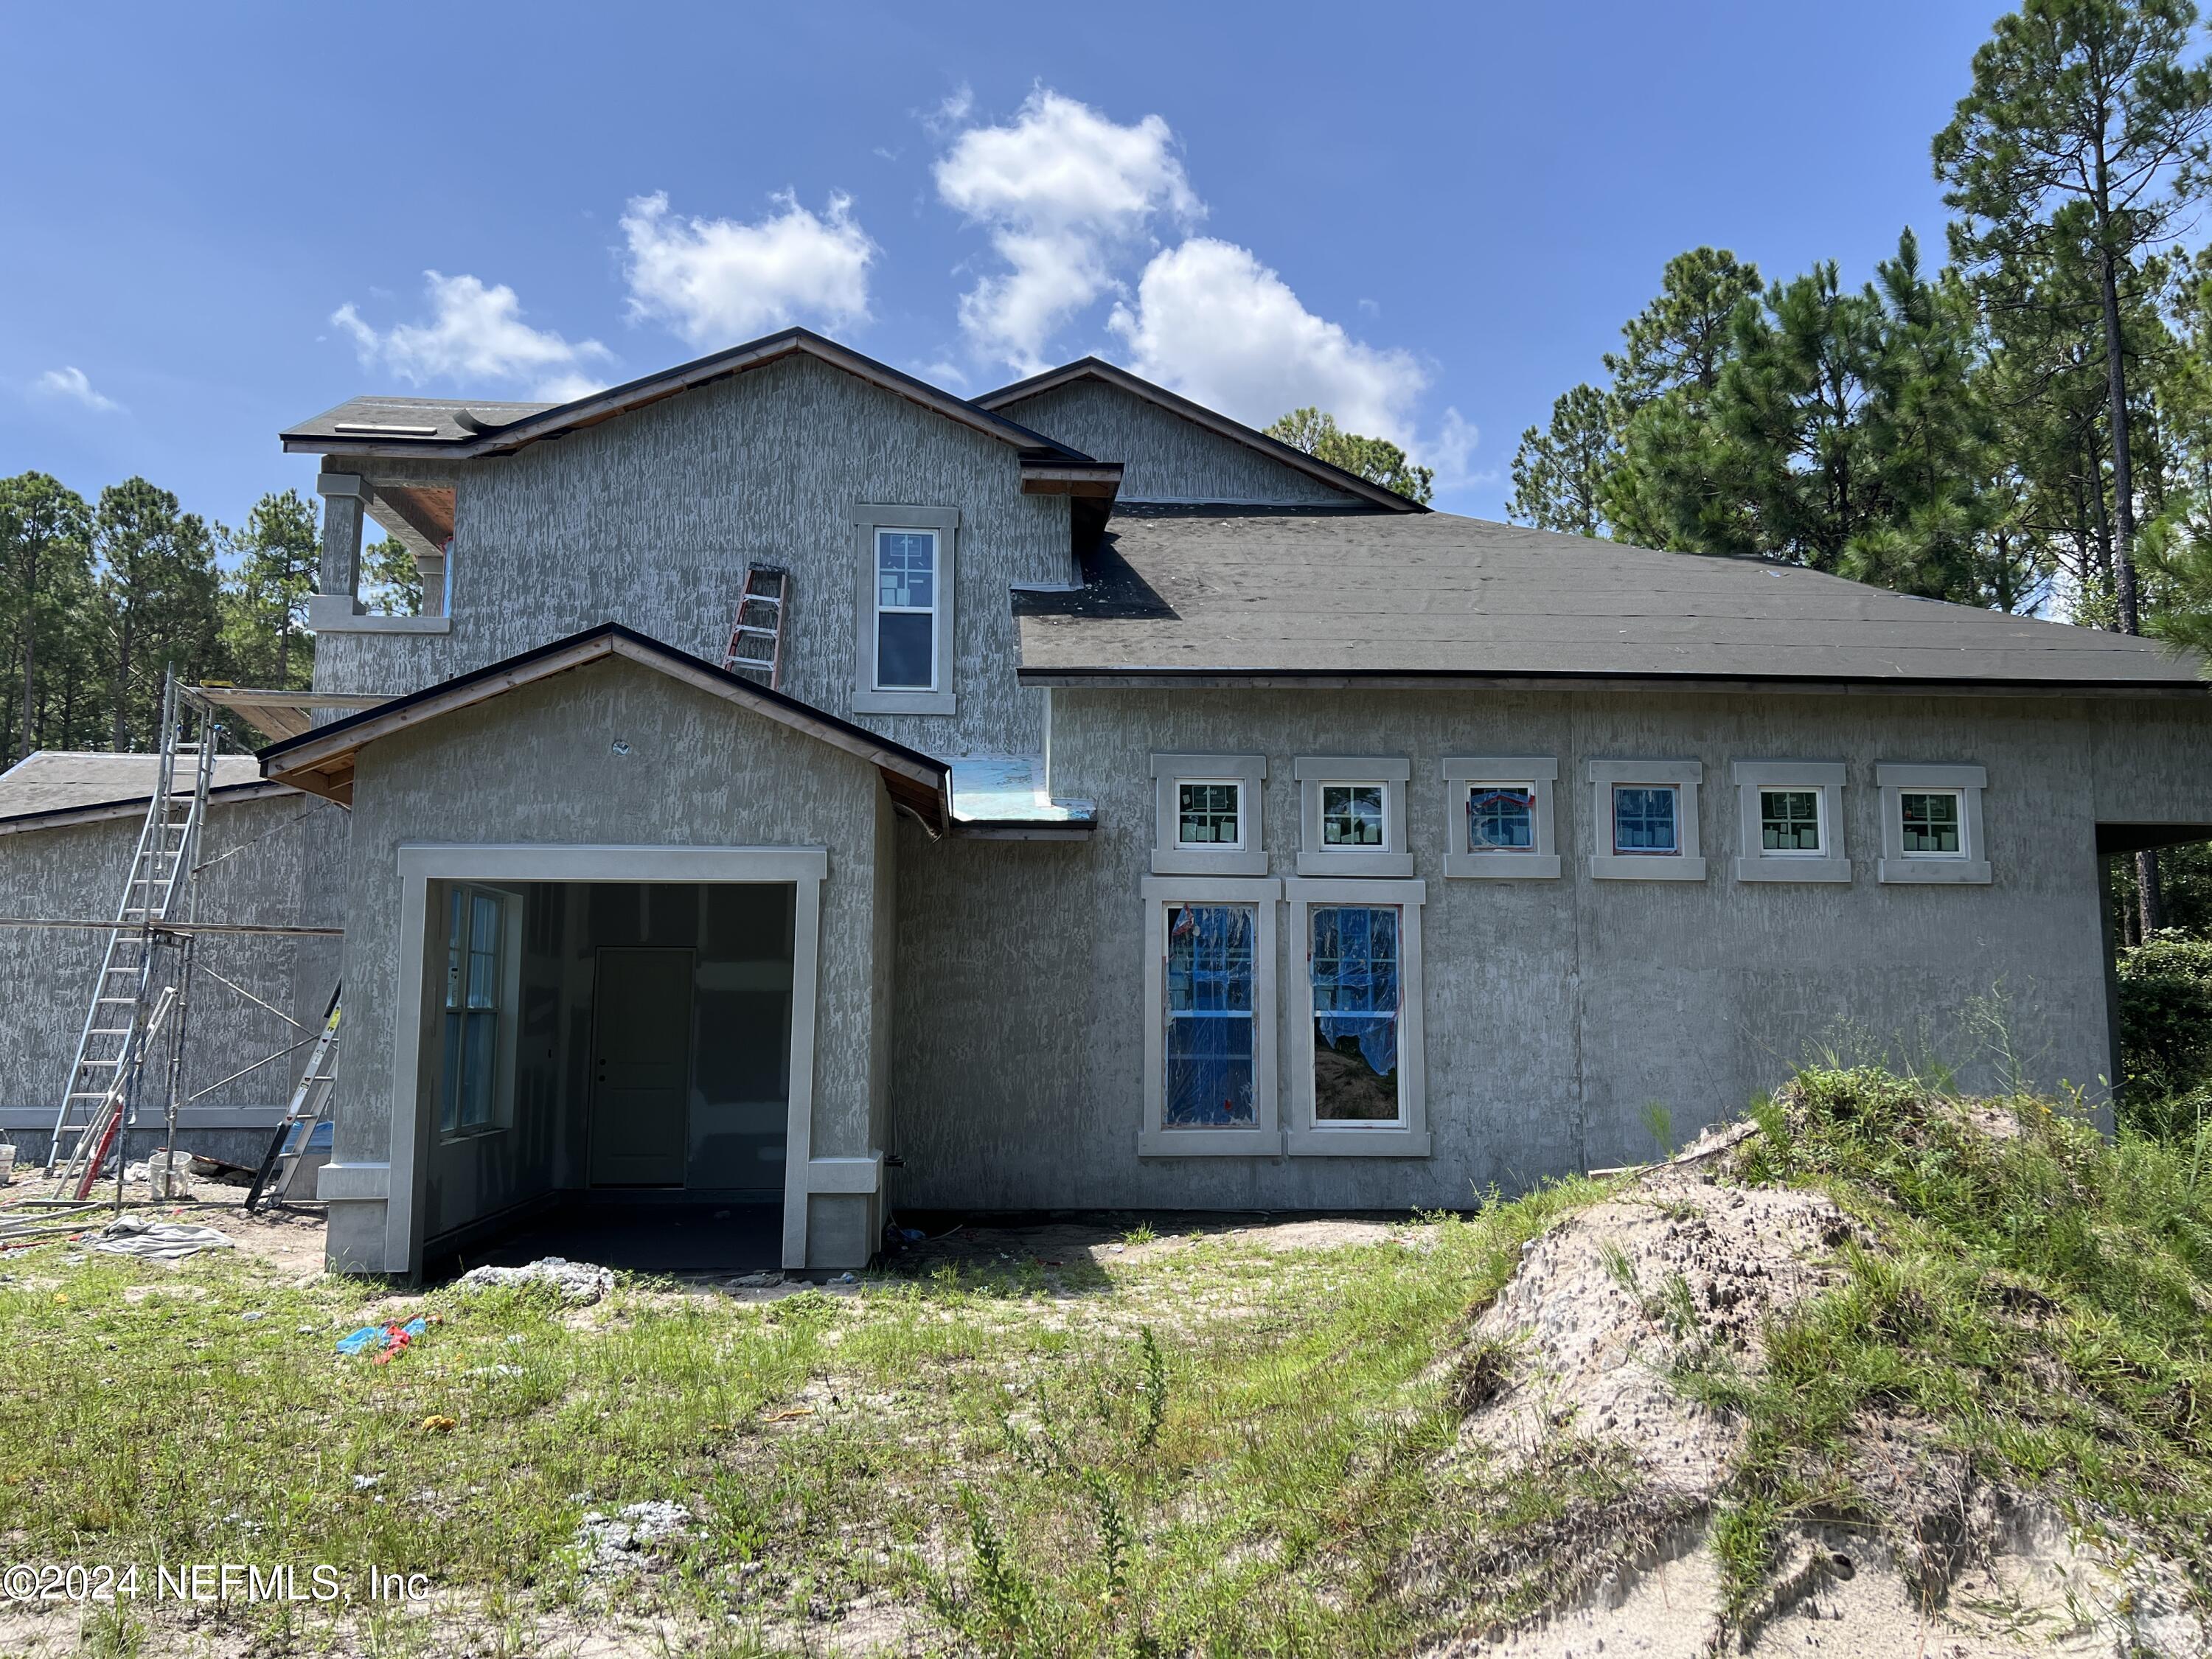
(756, 634)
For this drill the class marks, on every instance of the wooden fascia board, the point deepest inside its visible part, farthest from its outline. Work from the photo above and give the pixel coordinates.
(1098, 478)
(315, 766)
(639, 394)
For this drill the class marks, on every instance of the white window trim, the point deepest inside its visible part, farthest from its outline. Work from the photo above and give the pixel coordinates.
(945, 522)
(1264, 1139)
(1302, 1136)
(1540, 773)
(1688, 863)
(1171, 859)
(1754, 863)
(1317, 858)
(1970, 866)
(509, 1009)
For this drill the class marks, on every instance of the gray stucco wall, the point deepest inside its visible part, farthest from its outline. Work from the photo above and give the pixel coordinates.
(1556, 1011)
(1163, 457)
(698, 772)
(46, 973)
(650, 521)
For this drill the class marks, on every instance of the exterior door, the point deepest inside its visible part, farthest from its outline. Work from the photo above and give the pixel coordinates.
(640, 1067)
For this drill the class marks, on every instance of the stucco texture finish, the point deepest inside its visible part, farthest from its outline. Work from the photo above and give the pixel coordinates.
(77, 871)
(1163, 457)
(609, 753)
(1558, 1011)
(650, 521)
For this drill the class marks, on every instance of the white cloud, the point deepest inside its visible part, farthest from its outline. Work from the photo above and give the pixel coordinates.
(71, 382)
(1214, 323)
(476, 333)
(957, 107)
(1449, 450)
(717, 282)
(1063, 191)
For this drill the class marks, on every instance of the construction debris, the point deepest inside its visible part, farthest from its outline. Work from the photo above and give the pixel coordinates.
(158, 1240)
(578, 1283)
(624, 1542)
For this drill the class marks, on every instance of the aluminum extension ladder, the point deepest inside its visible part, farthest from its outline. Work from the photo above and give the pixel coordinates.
(310, 1109)
(756, 639)
(125, 991)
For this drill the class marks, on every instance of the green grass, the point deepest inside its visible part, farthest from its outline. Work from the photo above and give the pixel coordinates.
(2040, 1306)
(1216, 1450)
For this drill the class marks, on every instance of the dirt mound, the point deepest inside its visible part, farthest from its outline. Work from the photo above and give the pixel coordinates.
(1581, 1362)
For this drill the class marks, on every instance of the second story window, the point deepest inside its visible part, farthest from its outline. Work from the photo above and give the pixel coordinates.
(906, 610)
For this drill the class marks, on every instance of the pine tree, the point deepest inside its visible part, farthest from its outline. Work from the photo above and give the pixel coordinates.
(265, 610)
(1376, 459)
(160, 603)
(45, 541)
(1559, 475)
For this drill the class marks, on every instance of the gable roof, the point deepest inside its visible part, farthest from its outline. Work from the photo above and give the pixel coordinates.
(321, 761)
(50, 787)
(1305, 598)
(1098, 368)
(463, 428)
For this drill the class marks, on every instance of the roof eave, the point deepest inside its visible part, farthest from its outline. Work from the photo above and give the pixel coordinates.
(1388, 679)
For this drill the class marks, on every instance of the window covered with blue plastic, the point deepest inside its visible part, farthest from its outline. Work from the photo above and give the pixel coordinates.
(1354, 963)
(1501, 818)
(1209, 1015)
(1643, 819)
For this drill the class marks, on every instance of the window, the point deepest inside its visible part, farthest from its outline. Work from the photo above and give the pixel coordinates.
(1647, 821)
(1206, 815)
(1497, 817)
(1209, 1012)
(1210, 1042)
(1501, 818)
(1357, 1088)
(906, 610)
(1930, 822)
(1209, 813)
(1931, 825)
(1643, 820)
(476, 1004)
(1354, 963)
(1351, 815)
(1791, 820)
(902, 655)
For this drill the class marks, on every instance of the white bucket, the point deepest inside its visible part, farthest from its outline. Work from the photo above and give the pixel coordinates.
(7, 1162)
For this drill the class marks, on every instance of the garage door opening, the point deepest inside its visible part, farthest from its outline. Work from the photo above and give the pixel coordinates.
(609, 1072)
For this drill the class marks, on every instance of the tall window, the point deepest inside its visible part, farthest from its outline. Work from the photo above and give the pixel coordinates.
(469, 1087)
(1501, 818)
(1354, 963)
(1643, 819)
(1209, 1016)
(1352, 815)
(906, 610)
(1789, 820)
(1209, 814)
(1931, 823)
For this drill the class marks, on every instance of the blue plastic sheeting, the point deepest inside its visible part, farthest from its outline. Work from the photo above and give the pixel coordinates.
(1209, 1037)
(1500, 819)
(1355, 981)
(1642, 820)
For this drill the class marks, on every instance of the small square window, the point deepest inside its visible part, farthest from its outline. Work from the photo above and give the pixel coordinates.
(1790, 821)
(1929, 823)
(1209, 814)
(1643, 820)
(1352, 815)
(1501, 818)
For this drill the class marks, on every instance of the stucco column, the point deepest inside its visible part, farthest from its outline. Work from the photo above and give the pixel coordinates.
(345, 504)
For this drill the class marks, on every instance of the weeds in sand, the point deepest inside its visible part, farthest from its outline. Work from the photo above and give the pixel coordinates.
(1659, 1124)
(2042, 1303)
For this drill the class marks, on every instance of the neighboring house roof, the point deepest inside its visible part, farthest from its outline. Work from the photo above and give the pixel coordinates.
(321, 761)
(52, 787)
(1306, 597)
(464, 428)
(1098, 368)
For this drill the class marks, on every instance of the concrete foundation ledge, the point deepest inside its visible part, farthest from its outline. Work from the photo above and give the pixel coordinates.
(343, 1183)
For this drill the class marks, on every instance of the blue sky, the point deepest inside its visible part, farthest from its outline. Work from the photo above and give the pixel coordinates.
(218, 218)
